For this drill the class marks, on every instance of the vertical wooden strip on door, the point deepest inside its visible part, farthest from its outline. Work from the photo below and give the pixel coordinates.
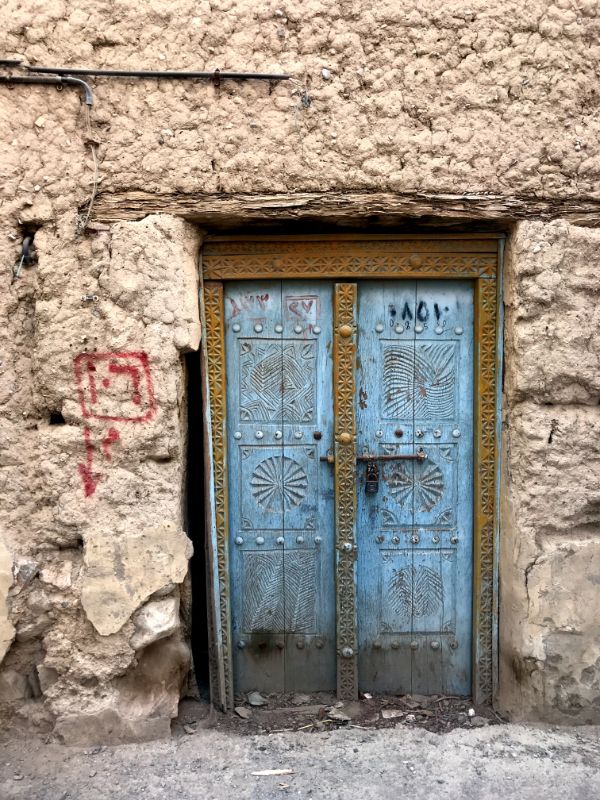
(214, 391)
(344, 367)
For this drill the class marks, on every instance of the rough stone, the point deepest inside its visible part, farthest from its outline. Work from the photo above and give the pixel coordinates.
(46, 677)
(552, 345)
(13, 686)
(7, 629)
(34, 629)
(122, 572)
(142, 703)
(25, 570)
(550, 497)
(155, 620)
(58, 574)
(110, 726)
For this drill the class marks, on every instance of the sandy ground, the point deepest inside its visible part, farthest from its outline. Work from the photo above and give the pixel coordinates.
(497, 761)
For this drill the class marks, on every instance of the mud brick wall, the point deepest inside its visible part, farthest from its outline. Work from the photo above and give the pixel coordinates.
(488, 99)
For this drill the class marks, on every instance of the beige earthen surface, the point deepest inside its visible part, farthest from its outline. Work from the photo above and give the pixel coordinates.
(550, 534)
(440, 96)
(406, 99)
(93, 473)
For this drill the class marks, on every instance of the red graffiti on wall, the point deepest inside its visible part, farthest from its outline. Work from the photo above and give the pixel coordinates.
(116, 387)
(113, 387)
(89, 478)
(111, 437)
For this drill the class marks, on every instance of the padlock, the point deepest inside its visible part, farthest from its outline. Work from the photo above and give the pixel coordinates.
(372, 478)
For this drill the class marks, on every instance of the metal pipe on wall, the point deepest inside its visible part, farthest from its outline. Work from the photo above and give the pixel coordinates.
(52, 80)
(165, 74)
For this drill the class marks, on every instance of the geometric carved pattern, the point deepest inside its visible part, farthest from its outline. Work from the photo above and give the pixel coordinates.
(221, 674)
(276, 380)
(485, 489)
(384, 258)
(426, 481)
(407, 258)
(344, 361)
(279, 591)
(419, 382)
(278, 483)
(416, 591)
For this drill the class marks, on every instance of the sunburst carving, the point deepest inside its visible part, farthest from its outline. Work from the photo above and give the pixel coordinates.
(401, 483)
(425, 483)
(429, 487)
(278, 483)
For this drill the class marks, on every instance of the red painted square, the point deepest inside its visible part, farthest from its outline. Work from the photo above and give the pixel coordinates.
(115, 386)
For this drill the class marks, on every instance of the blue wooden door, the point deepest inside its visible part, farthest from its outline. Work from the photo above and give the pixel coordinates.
(279, 420)
(414, 521)
(414, 527)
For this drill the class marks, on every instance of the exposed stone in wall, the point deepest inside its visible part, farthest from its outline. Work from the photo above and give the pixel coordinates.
(155, 620)
(121, 572)
(7, 629)
(550, 543)
(141, 705)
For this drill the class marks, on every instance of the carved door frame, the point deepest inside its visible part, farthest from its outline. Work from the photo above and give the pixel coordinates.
(346, 259)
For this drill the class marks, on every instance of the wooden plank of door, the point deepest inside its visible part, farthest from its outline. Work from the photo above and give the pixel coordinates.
(384, 422)
(308, 524)
(253, 340)
(443, 487)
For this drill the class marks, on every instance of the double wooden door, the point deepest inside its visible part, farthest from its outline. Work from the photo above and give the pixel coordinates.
(413, 478)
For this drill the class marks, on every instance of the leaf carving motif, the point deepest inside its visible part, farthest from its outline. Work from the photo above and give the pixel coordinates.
(277, 381)
(263, 593)
(420, 381)
(279, 592)
(416, 591)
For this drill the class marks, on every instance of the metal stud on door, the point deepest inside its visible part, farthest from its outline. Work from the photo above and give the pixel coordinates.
(415, 420)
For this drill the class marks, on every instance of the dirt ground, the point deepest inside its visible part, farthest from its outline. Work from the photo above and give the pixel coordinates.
(217, 757)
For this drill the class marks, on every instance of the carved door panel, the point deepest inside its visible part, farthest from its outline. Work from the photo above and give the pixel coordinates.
(415, 528)
(279, 423)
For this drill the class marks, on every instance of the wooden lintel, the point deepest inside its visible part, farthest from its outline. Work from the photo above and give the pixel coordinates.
(342, 207)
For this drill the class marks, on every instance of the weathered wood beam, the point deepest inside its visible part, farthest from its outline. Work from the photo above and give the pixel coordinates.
(342, 207)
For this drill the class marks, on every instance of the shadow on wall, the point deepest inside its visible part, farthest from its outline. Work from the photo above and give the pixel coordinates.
(195, 522)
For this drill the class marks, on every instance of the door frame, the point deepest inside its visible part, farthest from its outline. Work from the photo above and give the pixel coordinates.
(347, 258)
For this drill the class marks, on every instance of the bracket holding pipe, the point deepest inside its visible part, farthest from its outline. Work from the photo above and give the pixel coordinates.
(64, 76)
(52, 80)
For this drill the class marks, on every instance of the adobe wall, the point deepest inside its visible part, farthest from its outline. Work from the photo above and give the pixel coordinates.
(550, 534)
(415, 99)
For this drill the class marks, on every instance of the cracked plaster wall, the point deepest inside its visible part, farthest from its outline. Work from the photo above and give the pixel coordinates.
(101, 535)
(550, 535)
(432, 96)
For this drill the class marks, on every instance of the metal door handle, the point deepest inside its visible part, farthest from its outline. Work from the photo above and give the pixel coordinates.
(420, 455)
